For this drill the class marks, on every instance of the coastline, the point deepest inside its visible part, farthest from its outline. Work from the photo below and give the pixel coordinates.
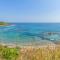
(12, 45)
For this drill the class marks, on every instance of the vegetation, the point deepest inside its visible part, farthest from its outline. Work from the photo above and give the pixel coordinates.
(3, 23)
(46, 53)
(8, 53)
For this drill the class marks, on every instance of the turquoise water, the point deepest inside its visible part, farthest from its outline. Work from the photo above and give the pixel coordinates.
(30, 32)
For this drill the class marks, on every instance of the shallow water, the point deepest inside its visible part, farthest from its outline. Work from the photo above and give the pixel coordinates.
(23, 33)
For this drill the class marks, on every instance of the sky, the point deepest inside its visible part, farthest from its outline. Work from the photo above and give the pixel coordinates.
(30, 10)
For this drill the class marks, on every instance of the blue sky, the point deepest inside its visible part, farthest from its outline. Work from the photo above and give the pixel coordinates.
(30, 10)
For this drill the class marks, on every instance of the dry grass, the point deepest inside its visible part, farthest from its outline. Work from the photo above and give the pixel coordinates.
(47, 53)
(43, 53)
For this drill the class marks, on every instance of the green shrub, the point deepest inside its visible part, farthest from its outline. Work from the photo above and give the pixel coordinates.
(9, 53)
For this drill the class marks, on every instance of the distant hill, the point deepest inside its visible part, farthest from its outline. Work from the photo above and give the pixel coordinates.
(3, 23)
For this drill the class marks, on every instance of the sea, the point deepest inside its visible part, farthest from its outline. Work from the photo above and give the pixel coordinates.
(30, 33)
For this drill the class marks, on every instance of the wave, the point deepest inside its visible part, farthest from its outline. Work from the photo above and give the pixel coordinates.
(6, 28)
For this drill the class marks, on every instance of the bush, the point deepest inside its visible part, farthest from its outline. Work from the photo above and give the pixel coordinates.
(9, 53)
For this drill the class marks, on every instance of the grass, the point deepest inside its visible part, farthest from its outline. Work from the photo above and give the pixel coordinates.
(46, 53)
(8, 53)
